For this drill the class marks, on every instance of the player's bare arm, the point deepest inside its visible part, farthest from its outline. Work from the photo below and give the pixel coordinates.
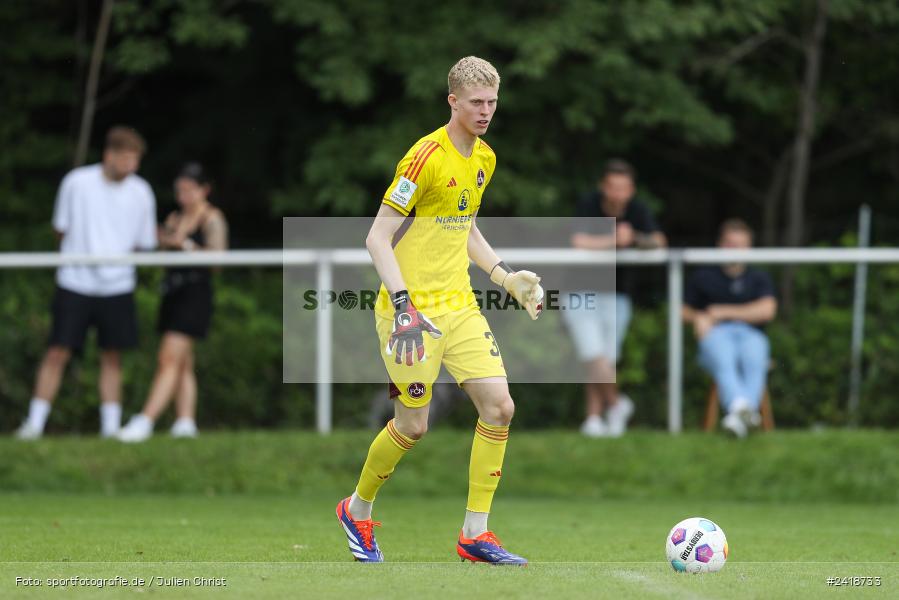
(479, 249)
(524, 286)
(379, 243)
(406, 343)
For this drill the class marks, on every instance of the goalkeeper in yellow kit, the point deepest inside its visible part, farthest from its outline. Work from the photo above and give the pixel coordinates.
(421, 242)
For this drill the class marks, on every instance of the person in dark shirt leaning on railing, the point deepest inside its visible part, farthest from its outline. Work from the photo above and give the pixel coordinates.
(729, 306)
(597, 317)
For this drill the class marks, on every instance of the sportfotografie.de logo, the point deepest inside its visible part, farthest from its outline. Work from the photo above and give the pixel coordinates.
(486, 300)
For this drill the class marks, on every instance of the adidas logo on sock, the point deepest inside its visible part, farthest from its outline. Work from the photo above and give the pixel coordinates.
(497, 473)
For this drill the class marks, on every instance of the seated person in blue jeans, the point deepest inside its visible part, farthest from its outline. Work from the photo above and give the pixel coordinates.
(729, 306)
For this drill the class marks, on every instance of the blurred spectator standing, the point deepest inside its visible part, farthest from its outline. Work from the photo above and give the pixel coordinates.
(597, 315)
(729, 306)
(102, 209)
(186, 309)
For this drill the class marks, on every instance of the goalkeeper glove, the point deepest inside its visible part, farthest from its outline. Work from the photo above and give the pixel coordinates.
(524, 286)
(407, 340)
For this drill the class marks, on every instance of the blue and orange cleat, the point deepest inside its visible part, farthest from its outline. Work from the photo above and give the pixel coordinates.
(487, 548)
(359, 534)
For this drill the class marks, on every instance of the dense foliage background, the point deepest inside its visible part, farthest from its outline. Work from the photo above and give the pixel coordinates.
(303, 107)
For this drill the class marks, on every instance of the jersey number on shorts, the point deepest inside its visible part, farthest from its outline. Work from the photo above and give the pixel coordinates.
(495, 350)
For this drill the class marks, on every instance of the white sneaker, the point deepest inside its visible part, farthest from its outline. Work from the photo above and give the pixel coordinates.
(754, 419)
(743, 408)
(138, 429)
(594, 427)
(619, 414)
(184, 428)
(734, 424)
(28, 432)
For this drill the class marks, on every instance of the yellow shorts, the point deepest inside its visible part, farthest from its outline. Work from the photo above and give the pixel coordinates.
(467, 348)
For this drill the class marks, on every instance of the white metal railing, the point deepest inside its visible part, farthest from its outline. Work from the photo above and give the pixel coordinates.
(326, 260)
(547, 256)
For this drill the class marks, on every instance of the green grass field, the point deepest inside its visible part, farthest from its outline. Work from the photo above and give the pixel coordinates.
(282, 547)
(157, 512)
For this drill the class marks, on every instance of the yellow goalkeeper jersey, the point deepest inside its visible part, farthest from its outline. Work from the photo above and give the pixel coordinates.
(439, 191)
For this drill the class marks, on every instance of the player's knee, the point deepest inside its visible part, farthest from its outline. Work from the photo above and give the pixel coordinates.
(507, 410)
(414, 430)
(501, 412)
(419, 431)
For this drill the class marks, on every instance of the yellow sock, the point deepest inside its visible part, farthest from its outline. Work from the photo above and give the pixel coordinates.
(385, 452)
(485, 469)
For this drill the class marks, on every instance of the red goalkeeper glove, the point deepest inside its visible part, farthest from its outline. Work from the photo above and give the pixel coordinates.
(406, 339)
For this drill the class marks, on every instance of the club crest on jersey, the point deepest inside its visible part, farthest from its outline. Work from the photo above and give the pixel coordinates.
(416, 390)
(481, 178)
(463, 200)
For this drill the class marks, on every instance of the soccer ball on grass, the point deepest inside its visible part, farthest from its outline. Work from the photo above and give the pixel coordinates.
(696, 545)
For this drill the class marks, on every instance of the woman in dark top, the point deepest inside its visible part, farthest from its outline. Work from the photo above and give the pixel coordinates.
(186, 308)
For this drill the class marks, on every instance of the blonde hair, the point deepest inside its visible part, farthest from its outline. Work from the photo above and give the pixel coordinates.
(471, 71)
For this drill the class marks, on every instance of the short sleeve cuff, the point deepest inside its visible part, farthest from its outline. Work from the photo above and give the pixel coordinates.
(394, 205)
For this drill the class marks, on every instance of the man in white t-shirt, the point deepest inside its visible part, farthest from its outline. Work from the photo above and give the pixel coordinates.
(101, 210)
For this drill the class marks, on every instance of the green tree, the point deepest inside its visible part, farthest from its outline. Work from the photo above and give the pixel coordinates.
(47, 97)
(577, 75)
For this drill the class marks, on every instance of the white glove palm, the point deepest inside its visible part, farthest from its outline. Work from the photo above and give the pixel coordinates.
(525, 287)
